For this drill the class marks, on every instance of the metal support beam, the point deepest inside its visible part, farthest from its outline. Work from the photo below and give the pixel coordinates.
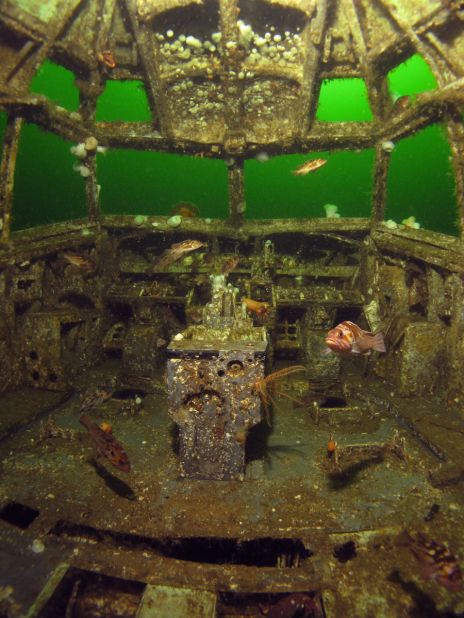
(92, 191)
(378, 99)
(379, 190)
(440, 68)
(102, 37)
(150, 57)
(456, 139)
(377, 90)
(454, 61)
(311, 42)
(33, 54)
(233, 55)
(91, 90)
(7, 172)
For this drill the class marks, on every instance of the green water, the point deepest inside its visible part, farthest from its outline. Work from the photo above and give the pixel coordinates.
(352, 92)
(123, 101)
(420, 180)
(271, 190)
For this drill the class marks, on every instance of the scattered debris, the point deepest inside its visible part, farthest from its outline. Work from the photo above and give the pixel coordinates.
(37, 546)
(396, 446)
(49, 430)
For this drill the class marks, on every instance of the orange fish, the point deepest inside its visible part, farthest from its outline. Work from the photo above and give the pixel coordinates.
(401, 104)
(331, 447)
(349, 339)
(107, 58)
(309, 166)
(80, 261)
(185, 209)
(106, 444)
(257, 307)
(437, 563)
(176, 251)
(106, 427)
(230, 265)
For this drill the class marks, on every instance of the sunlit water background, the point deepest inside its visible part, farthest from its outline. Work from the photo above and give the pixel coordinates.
(420, 177)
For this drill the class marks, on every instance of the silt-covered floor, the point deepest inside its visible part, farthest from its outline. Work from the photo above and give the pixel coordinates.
(77, 535)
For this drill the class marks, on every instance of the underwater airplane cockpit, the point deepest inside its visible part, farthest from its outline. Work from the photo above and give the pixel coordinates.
(231, 352)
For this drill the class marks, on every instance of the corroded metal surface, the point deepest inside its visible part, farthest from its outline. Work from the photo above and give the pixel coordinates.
(194, 534)
(213, 373)
(230, 79)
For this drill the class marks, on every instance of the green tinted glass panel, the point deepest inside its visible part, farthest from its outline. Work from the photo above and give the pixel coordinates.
(46, 189)
(272, 191)
(124, 101)
(343, 100)
(421, 182)
(57, 84)
(411, 77)
(151, 183)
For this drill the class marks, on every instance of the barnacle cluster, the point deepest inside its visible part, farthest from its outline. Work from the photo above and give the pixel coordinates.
(186, 47)
(280, 48)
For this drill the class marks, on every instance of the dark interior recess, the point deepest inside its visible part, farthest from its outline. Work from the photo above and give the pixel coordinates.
(345, 551)
(19, 515)
(259, 604)
(86, 594)
(264, 552)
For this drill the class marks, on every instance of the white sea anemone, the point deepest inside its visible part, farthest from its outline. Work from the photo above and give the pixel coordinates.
(193, 42)
(262, 157)
(79, 150)
(37, 546)
(245, 33)
(388, 146)
(331, 211)
(82, 170)
(174, 221)
(184, 54)
(140, 219)
(392, 225)
(411, 222)
(91, 143)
